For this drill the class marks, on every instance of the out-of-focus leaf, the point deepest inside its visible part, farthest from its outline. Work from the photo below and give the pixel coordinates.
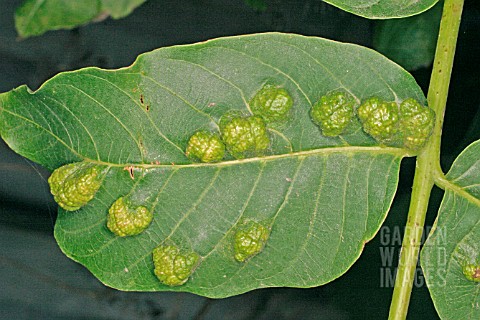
(35, 17)
(383, 9)
(411, 41)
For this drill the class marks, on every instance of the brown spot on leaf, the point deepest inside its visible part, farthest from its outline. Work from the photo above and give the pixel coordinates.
(476, 273)
(130, 170)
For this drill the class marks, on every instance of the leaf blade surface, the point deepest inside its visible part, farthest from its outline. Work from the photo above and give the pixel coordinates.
(321, 197)
(455, 241)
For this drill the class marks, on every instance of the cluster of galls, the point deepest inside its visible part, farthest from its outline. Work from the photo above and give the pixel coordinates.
(75, 184)
(243, 136)
(408, 125)
(173, 266)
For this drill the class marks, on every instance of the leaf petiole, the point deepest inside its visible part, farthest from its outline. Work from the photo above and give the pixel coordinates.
(428, 162)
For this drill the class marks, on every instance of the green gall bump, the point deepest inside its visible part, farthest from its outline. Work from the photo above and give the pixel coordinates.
(173, 267)
(472, 272)
(333, 113)
(416, 123)
(271, 103)
(249, 240)
(379, 118)
(244, 136)
(75, 184)
(126, 220)
(205, 147)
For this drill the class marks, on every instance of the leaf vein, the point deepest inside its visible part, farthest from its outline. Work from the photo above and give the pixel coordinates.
(81, 124)
(144, 111)
(242, 94)
(195, 204)
(111, 114)
(270, 66)
(44, 129)
(344, 201)
(242, 211)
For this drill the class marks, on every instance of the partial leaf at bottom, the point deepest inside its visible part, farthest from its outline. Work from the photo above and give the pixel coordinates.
(322, 207)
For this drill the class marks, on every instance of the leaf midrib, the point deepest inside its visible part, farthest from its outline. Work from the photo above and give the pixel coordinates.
(398, 152)
(328, 150)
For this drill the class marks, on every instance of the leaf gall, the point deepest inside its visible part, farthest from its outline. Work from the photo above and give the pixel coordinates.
(249, 240)
(205, 147)
(74, 185)
(244, 136)
(272, 103)
(124, 219)
(173, 267)
(333, 112)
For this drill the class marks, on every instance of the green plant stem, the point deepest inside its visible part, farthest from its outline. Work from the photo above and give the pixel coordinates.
(428, 161)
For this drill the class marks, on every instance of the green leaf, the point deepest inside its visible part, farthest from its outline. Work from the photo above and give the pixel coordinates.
(454, 243)
(35, 17)
(411, 41)
(383, 9)
(320, 198)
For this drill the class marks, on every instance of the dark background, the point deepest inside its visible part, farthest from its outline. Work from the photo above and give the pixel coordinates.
(38, 282)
